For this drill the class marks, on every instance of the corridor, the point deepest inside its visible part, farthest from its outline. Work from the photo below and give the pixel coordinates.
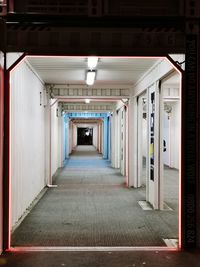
(91, 206)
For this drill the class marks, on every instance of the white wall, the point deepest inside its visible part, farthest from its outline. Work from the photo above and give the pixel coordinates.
(11, 58)
(174, 136)
(27, 140)
(1, 152)
(166, 137)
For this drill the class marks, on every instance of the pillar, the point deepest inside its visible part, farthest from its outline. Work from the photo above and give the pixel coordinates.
(132, 152)
(66, 137)
(105, 138)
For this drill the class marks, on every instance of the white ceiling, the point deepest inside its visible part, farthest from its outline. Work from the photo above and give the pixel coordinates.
(72, 70)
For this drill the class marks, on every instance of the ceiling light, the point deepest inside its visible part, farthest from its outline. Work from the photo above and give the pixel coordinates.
(90, 77)
(87, 101)
(92, 62)
(87, 133)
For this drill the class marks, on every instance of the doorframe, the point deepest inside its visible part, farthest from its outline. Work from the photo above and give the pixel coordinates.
(7, 184)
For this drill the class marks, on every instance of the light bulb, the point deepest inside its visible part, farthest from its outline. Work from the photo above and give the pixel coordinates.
(90, 77)
(87, 101)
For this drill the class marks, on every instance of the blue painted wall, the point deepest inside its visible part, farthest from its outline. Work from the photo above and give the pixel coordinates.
(106, 128)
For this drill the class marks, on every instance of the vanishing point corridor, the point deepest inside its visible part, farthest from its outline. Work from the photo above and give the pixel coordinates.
(99, 133)
(91, 206)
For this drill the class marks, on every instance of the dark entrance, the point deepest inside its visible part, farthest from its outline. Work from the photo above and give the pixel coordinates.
(85, 136)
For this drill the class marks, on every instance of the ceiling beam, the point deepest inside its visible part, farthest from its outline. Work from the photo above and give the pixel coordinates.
(87, 107)
(89, 92)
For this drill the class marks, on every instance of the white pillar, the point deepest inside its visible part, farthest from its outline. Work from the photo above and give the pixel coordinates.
(115, 140)
(47, 141)
(74, 135)
(112, 124)
(95, 132)
(140, 141)
(127, 145)
(132, 142)
(123, 141)
(62, 141)
(153, 159)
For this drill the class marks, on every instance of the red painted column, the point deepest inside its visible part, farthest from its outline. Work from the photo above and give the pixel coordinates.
(1, 152)
(6, 163)
(6, 154)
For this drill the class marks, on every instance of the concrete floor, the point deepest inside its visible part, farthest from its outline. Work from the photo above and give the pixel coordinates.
(86, 172)
(170, 184)
(92, 207)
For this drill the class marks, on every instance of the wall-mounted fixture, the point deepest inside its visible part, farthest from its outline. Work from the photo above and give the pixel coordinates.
(40, 98)
(87, 101)
(92, 62)
(90, 77)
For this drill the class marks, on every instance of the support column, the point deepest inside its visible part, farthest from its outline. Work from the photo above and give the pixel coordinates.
(140, 141)
(62, 141)
(47, 138)
(109, 136)
(118, 138)
(132, 121)
(95, 136)
(74, 135)
(100, 137)
(112, 132)
(105, 138)
(66, 137)
(70, 137)
(153, 165)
